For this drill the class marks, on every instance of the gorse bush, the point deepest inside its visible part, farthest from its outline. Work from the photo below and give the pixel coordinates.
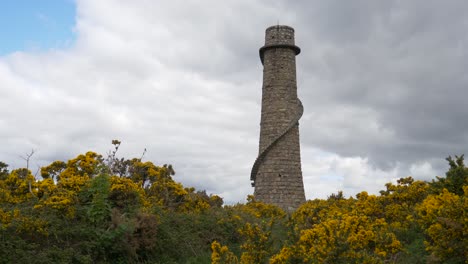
(92, 209)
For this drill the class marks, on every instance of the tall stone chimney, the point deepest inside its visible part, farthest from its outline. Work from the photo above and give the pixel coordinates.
(276, 173)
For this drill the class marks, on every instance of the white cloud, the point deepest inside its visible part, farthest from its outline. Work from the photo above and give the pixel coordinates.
(327, 173)
(423, 171)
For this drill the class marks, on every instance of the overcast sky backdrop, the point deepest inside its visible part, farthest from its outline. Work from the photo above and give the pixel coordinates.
(384, 86)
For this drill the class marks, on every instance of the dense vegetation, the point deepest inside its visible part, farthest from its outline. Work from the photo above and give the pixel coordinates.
(93, 209)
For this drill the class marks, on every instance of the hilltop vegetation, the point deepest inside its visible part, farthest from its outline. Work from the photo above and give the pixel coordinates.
(95, 209)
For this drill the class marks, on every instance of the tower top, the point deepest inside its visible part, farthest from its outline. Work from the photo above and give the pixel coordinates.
(279, 36)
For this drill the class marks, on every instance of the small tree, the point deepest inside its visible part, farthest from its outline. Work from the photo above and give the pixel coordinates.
(456, 177)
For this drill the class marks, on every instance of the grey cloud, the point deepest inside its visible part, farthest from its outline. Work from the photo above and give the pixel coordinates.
(402, 61)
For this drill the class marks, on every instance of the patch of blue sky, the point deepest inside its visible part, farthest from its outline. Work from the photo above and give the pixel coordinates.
(36, 25)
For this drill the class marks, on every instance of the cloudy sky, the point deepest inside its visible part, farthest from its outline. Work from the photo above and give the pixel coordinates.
(383, 83)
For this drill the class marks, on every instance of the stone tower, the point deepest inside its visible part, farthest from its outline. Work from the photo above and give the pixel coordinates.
(276, 173)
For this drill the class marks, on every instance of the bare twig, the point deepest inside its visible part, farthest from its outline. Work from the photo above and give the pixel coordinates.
(27, 158)
(142, 155)
(38, 169)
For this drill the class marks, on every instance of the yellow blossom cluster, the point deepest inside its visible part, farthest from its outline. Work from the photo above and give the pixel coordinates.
(222, 255)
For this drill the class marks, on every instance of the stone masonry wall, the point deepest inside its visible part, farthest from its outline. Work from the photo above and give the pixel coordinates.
(279, 177)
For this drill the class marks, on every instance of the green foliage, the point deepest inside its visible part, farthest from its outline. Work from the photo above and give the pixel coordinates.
(92, 209)
(3, 171)
(456, 177)
(99, 208)
(53, 170)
